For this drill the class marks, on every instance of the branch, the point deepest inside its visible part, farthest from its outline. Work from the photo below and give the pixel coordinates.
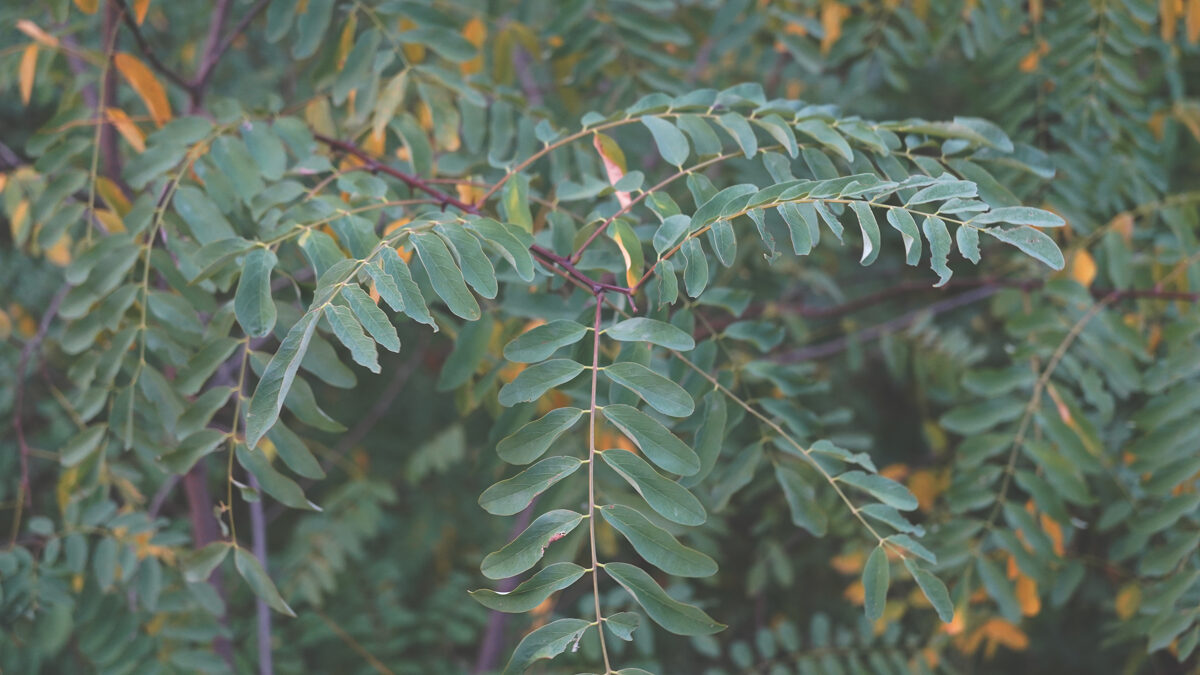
(444, 199)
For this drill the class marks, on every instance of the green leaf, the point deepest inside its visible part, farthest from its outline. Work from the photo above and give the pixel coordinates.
(870, 231)
(1000, 588)
(533, 592)
(968, 242)
(537, 380)
(444, 275)
(903, 222)
(311, 27)
(1019, 215)
(622, 625)
(801, 220)
(514, 203)
(674, 616)
(252, 571)
(277, 379)
(266, 149)
(943, 190)
(371, 317)
(81, 446)
(507, 242)
(202, 216)
(294, 453)
(532, 440)
(546, 642)
(540, 342)
(934, 590)
(825, 135)
(350, 333)
(641, 329)
(780, 131)
(884, 489)
(657, 546)
(523, 552)
(695, 267)
(104, 562)
(410, 294)
(661, 393)
(477, 269)
(470, 349)
(670, 499)
(741, 131)
(1034, 242)
(939, 247)
(198, 565)
(672, 144)
(252, 303)
(802, 502)
(655, 441)
(355, 70)
(875, 580)
(279, 486)
(509, 497)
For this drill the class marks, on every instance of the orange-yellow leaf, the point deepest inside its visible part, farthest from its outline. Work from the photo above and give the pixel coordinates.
(26, 71)
(87, 6)
(346, 42)
(5, 325)
(111, 221)
(19, 219)
(1128, 600)
(112, 195)
(1168, 12)
(60, 253)
(925, 486)
(413, 51)
(1027, 596)
(832, 15)
(1000, 632)
(631, 250)
(140, 7)
(614, 163)
(848, 563)
(476, 33)
(31, 29)
(1083, 268)
(126, 127)
(1035, 11)
(146, 85)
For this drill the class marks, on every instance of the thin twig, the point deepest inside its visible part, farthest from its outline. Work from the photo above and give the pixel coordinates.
(217, 50)
(145, 49)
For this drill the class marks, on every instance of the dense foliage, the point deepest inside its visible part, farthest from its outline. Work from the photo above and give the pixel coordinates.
(675, 377)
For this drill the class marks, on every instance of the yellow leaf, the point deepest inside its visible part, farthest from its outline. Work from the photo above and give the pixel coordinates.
(140, 7)
(614, 163)
(1128, 600)
(31, 29)
(19, 219)
(27, 70)
(832, 16)
(848, 563)
(60, 253)
(146, 85)
(1168, 11)
(631, 250)
(855, 593)
(111, 221)
(375, 143)
(926, 486)
(5, 325)
(476, 33)
(346, 42)
(1083, 268)
(413, 51)
(1035, 11)
(87, 6)
(469, 193)
(1027, 596)
(76, 582)
(1000, 632)
(128, 130)
(319, 116)
(112, 195)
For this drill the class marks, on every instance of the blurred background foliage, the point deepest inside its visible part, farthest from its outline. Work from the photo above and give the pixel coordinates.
(1086, 540)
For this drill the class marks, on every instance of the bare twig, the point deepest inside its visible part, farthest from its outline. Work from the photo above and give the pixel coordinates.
(214, 50)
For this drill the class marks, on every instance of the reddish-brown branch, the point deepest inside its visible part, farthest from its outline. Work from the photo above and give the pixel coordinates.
(445, 200)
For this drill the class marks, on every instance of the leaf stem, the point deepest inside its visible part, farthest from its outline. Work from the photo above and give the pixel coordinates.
(599, 295)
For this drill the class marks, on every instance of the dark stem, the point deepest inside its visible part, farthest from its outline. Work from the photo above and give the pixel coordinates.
(215, 51)
(19, 396)
(210, 53)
